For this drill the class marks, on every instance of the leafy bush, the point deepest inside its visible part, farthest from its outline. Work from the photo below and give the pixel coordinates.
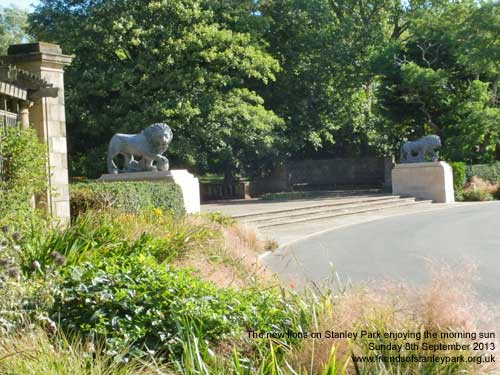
(476, 196)
(458, 176)
(126, 196)
(132, 301)
(22, 298)
(24, 164)
(490, 172)
(477, 189)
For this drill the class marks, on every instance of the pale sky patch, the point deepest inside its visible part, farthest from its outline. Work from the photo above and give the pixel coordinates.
(23, 4)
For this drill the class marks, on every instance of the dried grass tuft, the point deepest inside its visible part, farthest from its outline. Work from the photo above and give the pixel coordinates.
(447, 303)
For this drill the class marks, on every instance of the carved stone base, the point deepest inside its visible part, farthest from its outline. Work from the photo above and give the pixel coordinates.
(433, 181)
(187, 182)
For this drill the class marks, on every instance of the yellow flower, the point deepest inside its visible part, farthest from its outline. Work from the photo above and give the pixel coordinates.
(157, 212)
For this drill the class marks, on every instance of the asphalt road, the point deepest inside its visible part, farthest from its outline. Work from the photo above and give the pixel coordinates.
(400, 249)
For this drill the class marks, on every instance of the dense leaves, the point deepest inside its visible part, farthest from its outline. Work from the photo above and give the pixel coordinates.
(23, 171)
(127, 196)
(142, 62)
(247, 83)
(134, 302)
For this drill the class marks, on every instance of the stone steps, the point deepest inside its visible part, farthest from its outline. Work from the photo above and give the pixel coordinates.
(330, 209)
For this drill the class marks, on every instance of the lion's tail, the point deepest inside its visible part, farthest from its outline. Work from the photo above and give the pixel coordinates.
(112, 168)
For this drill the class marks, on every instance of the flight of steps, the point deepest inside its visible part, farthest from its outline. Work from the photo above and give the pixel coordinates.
(340, 205)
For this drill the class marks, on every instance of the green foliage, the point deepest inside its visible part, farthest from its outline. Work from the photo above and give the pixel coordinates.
(176, 62)
(24, 297)
(442, 78)
(13, 27)
(24, 171)
(126, 196)
(36, 352)
(343, 78)
(220, 218)
(325, 90)
(476, 195)
(459, 176)
(488, 172)
(132, 301)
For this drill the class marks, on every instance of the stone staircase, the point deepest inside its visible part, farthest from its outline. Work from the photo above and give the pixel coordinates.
(331, 206)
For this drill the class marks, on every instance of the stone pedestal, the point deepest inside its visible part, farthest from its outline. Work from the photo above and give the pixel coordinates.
(189, 184)
(432, 181)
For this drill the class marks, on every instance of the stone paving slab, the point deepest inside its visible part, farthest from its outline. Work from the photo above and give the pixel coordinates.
(287, 234)
(258, 206)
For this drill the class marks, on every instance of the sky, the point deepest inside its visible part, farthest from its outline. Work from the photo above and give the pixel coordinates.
(23, 4)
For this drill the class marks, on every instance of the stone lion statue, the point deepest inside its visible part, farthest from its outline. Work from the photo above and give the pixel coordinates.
(142, 151)
(416, 151)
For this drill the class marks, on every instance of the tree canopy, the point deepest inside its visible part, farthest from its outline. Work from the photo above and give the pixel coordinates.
(13, 27)
(246, 83)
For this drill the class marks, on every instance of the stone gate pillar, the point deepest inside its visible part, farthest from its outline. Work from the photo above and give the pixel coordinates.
(47, 116)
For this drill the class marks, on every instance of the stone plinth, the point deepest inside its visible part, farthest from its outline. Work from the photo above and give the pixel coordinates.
(189, 184)
(433, 181)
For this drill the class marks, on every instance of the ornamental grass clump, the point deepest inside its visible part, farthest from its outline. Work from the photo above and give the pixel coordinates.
(447, 308)
(35, 352)
(477, 189)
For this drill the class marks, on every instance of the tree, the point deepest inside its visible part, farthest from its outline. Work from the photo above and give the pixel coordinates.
(13, 26)
(444, 79)
(326, 89)
(139, 62)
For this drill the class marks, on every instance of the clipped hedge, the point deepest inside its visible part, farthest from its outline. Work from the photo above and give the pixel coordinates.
(127, 196)
(489, 172)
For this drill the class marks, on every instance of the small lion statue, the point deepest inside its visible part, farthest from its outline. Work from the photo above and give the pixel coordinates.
(140, 151)
(416, 151)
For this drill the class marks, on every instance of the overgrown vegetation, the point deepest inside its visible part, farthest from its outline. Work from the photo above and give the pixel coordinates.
(128, 196)
(488, 172)
(153, 292)
(23, 172)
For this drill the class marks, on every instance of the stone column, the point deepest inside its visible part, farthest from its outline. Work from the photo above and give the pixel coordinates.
(24, 114)
(47, 116)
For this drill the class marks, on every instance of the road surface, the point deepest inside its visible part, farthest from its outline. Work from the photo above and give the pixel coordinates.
(400, 249)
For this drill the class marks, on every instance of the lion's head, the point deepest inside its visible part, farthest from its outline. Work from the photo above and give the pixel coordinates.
(432, 140)
(159, 137)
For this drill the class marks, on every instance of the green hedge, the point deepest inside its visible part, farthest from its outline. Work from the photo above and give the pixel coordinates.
(458, 175)
(127, 196)
(490, 172)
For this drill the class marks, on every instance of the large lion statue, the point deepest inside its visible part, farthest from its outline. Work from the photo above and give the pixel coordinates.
(416, 151)
(142, 151)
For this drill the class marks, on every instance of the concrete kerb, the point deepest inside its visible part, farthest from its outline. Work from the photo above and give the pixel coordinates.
(319, 233)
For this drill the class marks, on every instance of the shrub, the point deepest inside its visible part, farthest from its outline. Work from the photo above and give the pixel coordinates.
(476, 196)
(22, 298)
(132, 301)
(478, 189)
(126, 196)
(24, 164)
(458, 175)
(489, 172)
